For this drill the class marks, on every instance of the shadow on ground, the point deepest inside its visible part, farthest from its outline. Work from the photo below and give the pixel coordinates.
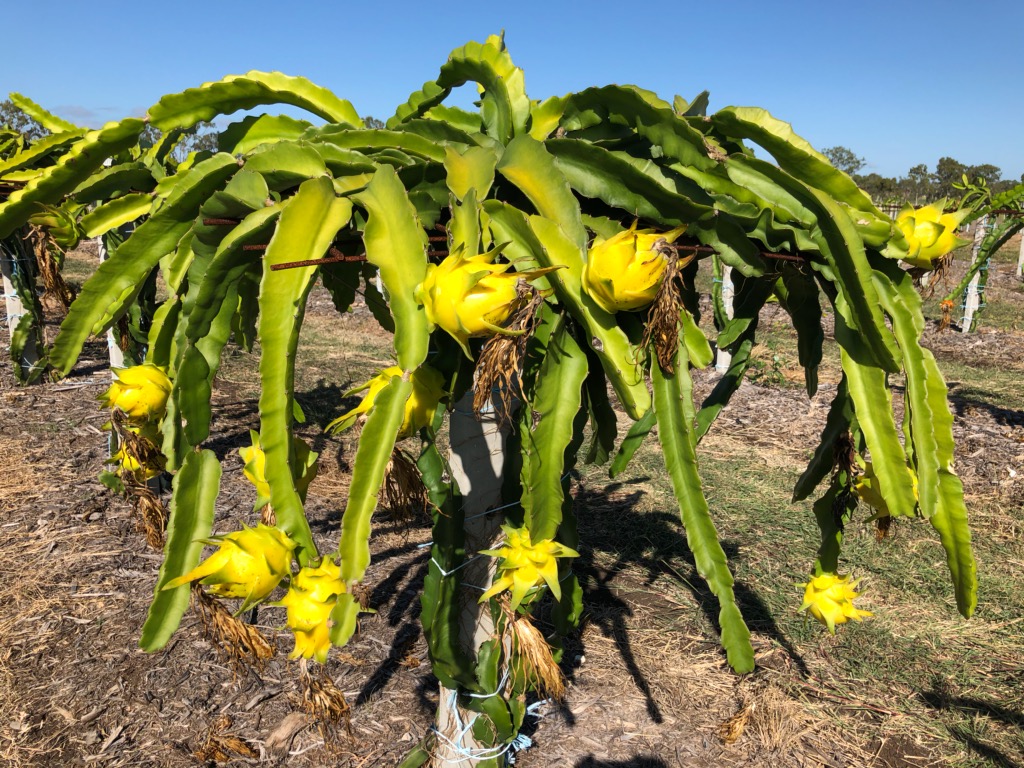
(941, 700)
(656, 539)
(640, 761)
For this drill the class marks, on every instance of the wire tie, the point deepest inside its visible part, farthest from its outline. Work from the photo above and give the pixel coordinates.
(453, 570)
(492, 509)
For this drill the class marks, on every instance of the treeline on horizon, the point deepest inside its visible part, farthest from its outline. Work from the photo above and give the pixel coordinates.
(920, 185)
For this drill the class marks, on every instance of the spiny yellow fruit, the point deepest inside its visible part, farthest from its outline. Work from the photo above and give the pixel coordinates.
(255, 469)
(427, 391)
(131, 466)
(248, 563)
(865, 485)
(471, 296)
(311, 597)
(525, 565)
(140, 391)
(624, 272)
(829, 598)
(930, 233)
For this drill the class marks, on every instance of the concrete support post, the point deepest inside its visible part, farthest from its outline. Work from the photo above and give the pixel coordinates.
(477, 458)
(972, 296)
(1020, 258)
(9, 268)
(116, 353)
(722, 358)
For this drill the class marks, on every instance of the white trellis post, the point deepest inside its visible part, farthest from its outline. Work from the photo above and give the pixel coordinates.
(476, 457)
(15, 307)
(1020, 258)
(723, 359)
(115, 351)
(972, 296)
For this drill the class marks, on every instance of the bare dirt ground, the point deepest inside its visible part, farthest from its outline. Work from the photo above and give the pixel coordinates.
(648, 686)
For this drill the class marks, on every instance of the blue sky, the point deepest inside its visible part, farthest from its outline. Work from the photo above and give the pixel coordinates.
(898, 86)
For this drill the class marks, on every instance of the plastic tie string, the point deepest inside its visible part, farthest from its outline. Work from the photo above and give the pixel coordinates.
(504, 679)
(518, 744)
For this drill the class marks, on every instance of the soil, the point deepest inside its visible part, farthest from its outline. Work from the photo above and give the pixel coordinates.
(645, 688)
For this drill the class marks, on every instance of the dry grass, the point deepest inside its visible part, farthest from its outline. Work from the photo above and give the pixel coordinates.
(236, 641)
(541, 672)
(22, 480)
(52, 582)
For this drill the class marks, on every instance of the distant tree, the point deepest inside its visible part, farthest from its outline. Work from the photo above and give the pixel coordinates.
(947, 173)
(200, 137)
(916, 186)
(990, 173)
(150, 136)
(920, 176)
(883, 189)
(844, 159)
(13, 118)
(373, 122)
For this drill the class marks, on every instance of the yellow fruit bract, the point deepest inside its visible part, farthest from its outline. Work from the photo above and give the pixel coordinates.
(427, 391)
(140, 391)
(248, 563)
(829, 598)
(625, 271)
(255, 469)
(525, 565)
(311, 597)
(930, 233)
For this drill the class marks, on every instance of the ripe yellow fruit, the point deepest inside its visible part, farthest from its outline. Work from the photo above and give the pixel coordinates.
(930, 233)
(249, 563)
(255, 469)
(140, 391)
(130, 465)
(829, 598)
(624, 272)
(427, 391)
(311, 597)
(525, 565)
(470, 297)
(865, 485)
